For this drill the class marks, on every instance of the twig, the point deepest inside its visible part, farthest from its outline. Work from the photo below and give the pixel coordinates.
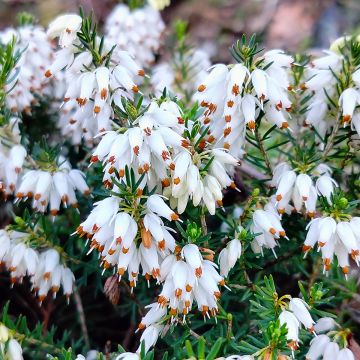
(80, 310)
(331, 138)
(263, 151)
(203, 224)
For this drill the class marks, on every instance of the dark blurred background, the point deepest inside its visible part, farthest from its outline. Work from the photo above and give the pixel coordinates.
(289, 24)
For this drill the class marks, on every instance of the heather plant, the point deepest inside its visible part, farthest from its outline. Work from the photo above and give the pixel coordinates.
(211, 210)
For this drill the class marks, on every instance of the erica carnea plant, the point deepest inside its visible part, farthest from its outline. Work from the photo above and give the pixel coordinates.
(215, 206)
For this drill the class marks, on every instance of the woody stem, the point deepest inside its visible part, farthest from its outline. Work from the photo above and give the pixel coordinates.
(263, 151)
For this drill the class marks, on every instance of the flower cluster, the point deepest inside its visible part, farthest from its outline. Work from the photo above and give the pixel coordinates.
(325, 346)
(131, 30)
(299, 188)
(21, 258)
(323, 75)
(27, 83)
(144, 147)
(233, 96)
(267, 229)
(93, 80)
(51, 185)
(12, 156)
(126, 243)
(334, 237)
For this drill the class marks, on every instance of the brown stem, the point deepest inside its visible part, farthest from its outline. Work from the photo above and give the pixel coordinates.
(263, 151)
(82, 318)
(330, 142)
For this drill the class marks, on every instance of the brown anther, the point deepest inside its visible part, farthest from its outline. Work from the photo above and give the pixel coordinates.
(146, 167)
(251, 125)
(135, 89)
(272, 231)
(173, 311)
(54, 212)
(103, 94)
(141, 72)
(48, 73)
(125, 250)
(188, 288)
(354, 253)
(165, 155)
(230, 103)
(161, 244)
(97, 109)
(174, 216)
(278, 197)
(227, 131)
(198, 272)
(284, 125)
(306, 248)
(201, 88)
(346, 118)
(211, 139)
(227, 118)
(178, 292)
(177, 181)
(235, 90)
(165, 182)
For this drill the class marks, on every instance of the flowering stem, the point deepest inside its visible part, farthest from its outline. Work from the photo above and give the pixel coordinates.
(263, 151)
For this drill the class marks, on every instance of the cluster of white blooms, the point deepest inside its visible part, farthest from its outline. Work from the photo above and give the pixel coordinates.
(52, 185)
(322, 347)
(12, 156)
(169, 74)
(145, 147)
(234, 95)
(26, 80)
(299, 188)
(193, 178)
(9, 347)
(187, 277)
(125, 243)
(296, 315)
(323, 77)
(135, 29)
(267, 228)
(92, 85)
(43, 267)
(229, 256)
(335, 237)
